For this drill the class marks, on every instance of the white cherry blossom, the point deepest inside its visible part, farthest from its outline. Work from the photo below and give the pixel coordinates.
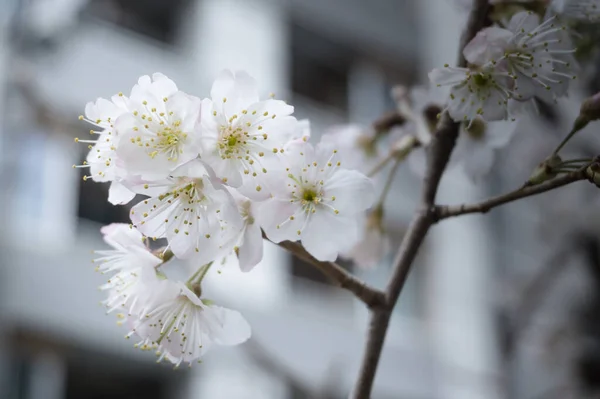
(102, 159)
(242, 135)
(131, 262)
(475, 92)
(578, 9)
(538, 56)
(356, 144)
(161, 131)
(182, 327)
(477, 145)
(319, 202)
(194, 211)
(374, 243)
(249, 249)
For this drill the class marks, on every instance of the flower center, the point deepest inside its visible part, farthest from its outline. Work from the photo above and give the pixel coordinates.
(309, 195)
(475, 129)
(169, 142)
(190, 189)
(231, 142)
(481, 80)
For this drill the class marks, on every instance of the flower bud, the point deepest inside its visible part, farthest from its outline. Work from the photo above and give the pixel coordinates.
(589, 111)
(593, 173)
(402, 147)
(544, 171)
(399, 93)
(590, 108)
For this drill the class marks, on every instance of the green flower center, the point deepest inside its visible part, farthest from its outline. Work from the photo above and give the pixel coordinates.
(232, 141)
(481, 80)
(309, 195)
(476, 129)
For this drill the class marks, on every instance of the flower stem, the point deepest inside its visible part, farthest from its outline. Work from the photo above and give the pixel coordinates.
(195, 282)
(388, 183)
(565, 141)
(579, 124)
(199, 275)
(576, 161)
(381, 164)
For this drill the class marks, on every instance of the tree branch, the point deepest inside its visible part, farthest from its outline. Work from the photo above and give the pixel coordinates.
(388, 121)
(372, 297)
(447, 211)
(439, 151)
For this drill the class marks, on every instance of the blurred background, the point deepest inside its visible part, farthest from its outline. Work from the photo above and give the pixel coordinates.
(501, 306)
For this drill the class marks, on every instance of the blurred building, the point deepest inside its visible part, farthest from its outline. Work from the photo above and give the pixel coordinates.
(335, 60)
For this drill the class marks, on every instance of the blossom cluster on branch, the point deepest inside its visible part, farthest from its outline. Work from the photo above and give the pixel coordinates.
(215, 173)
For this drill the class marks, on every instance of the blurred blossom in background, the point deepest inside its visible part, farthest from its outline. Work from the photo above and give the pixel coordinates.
(453, 333)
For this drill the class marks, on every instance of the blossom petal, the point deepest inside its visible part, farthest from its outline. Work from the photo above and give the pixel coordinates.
(118, 194)
(353, 191)
(229, 328)
(327, 234)
(251, 248)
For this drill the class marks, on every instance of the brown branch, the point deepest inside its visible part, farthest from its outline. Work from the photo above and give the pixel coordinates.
(372, 297)
(439, 151)
(447, 211)
(388, 121)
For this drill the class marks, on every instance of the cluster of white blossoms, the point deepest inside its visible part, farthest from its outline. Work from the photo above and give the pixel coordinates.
(216, 173)
(508, 67)
(583, 10)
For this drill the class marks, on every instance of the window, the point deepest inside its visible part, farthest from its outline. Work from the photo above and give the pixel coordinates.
(51, 368)
(93, 202)
(320, 68)
(157, 19)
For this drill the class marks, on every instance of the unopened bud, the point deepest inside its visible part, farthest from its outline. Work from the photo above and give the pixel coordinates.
(593, 173)
(589, 111)
(590, 108)
(545, 171)
(402, 147)
(399, 93)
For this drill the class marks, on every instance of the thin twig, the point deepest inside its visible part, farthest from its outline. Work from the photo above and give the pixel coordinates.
(372, 297)
(439, 152)
(388, 121)
(388, 183)
(446, 211)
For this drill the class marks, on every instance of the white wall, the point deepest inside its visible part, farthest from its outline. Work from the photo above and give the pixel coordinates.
(460, 305)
